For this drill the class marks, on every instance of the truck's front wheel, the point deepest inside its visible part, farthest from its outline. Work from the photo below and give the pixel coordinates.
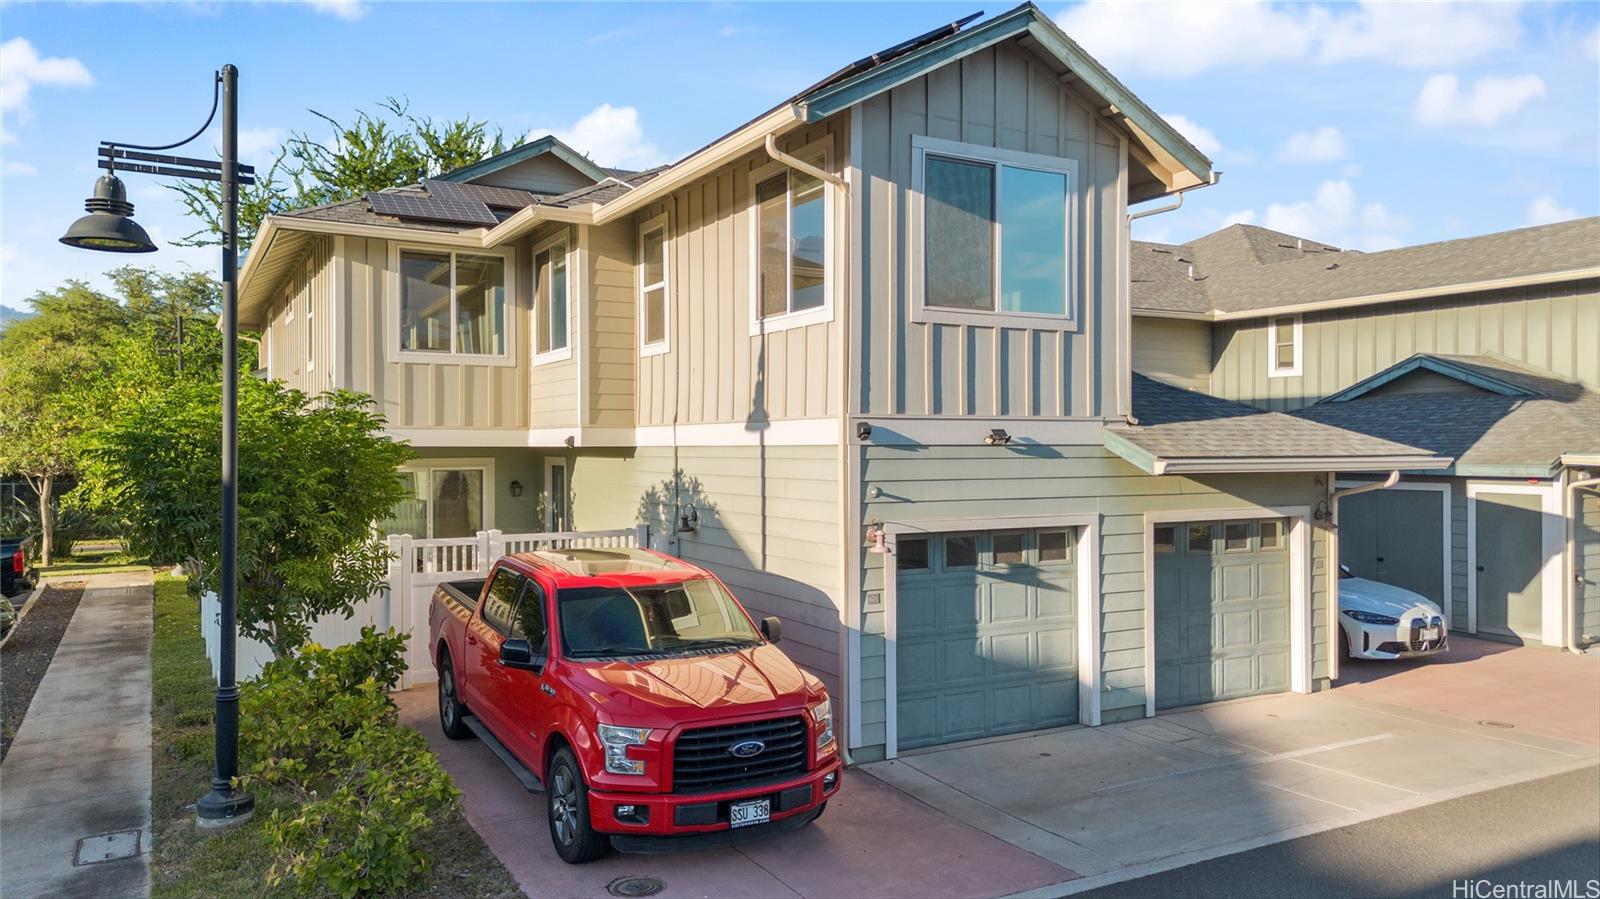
(450, 708)
(567, 798)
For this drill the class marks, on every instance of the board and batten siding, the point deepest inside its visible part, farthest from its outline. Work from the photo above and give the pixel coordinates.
(611, 323)
(1173, 350)
(1556, 327)
(997, 97)
(952, 482)
(768, 526)
(715, 370)
(1586, 562)
(299, 354)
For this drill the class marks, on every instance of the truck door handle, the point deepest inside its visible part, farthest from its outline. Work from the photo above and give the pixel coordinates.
(473, 639)
(1380, 558)
(1480, 569)
(547, 690)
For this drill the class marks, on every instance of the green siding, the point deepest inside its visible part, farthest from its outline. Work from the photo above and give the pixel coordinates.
(514, 515)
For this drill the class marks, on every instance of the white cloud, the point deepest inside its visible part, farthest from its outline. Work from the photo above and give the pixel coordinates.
(1334, 215)
(1492, 98)
(1546, 211)
(1242, 217)
(610, 135)
(1203, 138)
(22, 68)
(1325, 144)
(258, 144)
(17, 168)
(348, 10)
(1178, 40)
(1591, 44)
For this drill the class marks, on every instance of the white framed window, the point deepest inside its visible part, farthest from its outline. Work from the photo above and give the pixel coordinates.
(311, 330)
(655, 305)
(552, 301)
(452, 303)
(991, 236)
(1284, 346)
(557, 496)
(447, 498)
(791, 238)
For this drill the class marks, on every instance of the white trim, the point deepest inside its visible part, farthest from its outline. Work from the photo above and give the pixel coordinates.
(310, 329)
(915, 224)
(1302, 654)
(780, 432)
(578, 338)
(662, 223)
(1552, 543)
(823, 148)
(338, 309)
(849, 450)
(550, 523)
(1318, 464)
(1274, 369)
(1448, 551)
(1087, 563)
(950, 430)
(391, 309)
(470, 463)
(563, 238)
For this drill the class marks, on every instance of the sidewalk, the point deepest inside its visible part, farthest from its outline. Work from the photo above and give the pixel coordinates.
(75, 788)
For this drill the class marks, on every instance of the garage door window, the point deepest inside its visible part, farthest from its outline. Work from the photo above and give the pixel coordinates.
(1055, 546)
(1272, 533)
(1010, 548)
(1166, 540)
(1236, 537)
(911, 554)
(1200, 538)
(961, 551)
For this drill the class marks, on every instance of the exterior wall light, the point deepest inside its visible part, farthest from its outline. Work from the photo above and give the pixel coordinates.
(863, 431)
(688, 520)
(877, 541)
(997, 437)
(516, 488)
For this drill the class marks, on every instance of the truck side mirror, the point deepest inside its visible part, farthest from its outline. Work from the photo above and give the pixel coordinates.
(772, 629)
(518, 653)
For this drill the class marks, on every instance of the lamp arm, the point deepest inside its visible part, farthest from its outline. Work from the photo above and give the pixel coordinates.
(216, 92)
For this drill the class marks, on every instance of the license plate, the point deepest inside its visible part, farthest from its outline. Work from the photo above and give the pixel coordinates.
(751, 811)
(1430, 633)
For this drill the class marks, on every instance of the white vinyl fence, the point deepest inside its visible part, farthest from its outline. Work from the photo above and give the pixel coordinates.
(416, 567)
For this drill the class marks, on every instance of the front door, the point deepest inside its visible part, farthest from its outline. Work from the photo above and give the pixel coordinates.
(1509, 539)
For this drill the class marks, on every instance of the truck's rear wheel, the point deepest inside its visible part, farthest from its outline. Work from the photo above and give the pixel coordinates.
(567, 799)
(451, 710)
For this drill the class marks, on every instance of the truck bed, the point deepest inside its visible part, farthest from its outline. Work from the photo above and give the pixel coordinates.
(462, 593)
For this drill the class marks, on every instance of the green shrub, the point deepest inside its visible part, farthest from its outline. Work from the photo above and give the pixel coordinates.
(321, 727)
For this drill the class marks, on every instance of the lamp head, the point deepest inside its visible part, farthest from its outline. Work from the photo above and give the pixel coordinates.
(109, 227)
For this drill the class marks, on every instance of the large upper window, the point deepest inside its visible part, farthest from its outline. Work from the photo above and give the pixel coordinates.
(996, 232)
(452, 303)
(550, 301)
(791, 247)
(653, 286)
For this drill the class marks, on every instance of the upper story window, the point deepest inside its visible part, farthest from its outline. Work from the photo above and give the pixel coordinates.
(1283, 346)
(453, 302)
(791, 238)
(553, 287)
(653, 306)
(996, 229)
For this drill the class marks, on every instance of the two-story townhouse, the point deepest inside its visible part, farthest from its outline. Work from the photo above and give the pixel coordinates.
(1484, 349)
(869, 358)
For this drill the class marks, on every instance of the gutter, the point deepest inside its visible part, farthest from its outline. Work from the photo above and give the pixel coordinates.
(1334, 496)
(1176, 203)
(1569, 608)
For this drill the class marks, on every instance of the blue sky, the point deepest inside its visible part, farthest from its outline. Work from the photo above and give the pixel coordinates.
(1365, 125)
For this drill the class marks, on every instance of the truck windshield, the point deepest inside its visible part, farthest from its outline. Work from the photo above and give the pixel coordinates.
(617, 621)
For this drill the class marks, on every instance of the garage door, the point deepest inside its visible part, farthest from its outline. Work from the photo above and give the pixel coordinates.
(1395, 537)
(1222, 610)
(986, 638)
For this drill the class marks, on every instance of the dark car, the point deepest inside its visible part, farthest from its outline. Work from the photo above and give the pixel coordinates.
(13, 566)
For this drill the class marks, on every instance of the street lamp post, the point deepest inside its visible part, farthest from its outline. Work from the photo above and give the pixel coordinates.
(109, 227)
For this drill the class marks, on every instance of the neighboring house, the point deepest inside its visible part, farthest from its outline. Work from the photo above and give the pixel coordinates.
(1485, 350)
(868, 357)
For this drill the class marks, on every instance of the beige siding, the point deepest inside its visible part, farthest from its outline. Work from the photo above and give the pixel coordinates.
(300, 351)
(543, 174)
(769, 527)
(997, 97)
(715, 371)
(1554, 327)
(1173, 350)
(611, 329)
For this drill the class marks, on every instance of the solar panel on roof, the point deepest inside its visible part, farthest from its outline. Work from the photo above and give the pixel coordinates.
(443, 201)
(497, 196)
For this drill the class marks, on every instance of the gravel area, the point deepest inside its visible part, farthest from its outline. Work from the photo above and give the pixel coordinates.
(27, 653)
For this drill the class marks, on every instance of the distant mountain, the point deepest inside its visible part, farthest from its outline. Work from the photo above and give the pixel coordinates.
(9, 315)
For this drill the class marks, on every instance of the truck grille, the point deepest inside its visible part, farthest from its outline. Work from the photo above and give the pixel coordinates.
(701, 762)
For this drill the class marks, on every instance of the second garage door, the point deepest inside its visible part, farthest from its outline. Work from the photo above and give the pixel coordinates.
(1222, 610)
(986, 634)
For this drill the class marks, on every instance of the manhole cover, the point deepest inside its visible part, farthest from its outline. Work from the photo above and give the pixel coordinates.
(636, 886)
(1501, 724)
(107, 847)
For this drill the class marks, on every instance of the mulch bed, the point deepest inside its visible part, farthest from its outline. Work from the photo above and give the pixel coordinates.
(27, 653)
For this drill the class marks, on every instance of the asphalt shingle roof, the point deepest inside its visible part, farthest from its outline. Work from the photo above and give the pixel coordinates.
(1243, 268)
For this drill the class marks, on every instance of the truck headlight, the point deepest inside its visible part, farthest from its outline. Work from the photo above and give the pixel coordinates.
(822, 714)
(1371, 617)
(616, 741)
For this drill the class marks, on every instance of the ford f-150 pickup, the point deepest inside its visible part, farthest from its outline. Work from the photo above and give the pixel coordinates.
(635, 691)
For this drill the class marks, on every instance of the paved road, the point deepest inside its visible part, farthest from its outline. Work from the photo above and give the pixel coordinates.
(1533, 832)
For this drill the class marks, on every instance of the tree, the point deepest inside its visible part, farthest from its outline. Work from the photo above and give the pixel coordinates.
(315, 473)
(45, 361)
(374, 151)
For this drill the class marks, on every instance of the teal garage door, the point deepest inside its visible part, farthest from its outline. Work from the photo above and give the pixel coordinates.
(986, 634)
(1222, 610)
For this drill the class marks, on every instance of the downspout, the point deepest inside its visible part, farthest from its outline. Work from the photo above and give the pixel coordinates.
(1569, 608)
(1334, 496)
(801, 165)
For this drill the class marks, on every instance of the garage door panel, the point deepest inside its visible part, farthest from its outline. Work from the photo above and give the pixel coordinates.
(1058, 649)
(1055, 600)
(1273, 625)
(918, 661)
(1272, 579)
(1009, 603)
(964, 715)
(1238, 581)
(1238, 630)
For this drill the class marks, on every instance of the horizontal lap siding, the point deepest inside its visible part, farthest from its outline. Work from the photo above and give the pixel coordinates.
(769, 527)
(1173, 350)
(928, 483)
(1548, 326)
(1000, 98)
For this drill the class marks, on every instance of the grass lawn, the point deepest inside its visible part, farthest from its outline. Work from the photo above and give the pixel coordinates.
(93, 558)
(183, 863)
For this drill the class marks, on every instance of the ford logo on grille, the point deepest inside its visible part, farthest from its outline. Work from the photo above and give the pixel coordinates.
(748, 749)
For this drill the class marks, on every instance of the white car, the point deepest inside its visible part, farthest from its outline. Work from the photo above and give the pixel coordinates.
(1382, 621)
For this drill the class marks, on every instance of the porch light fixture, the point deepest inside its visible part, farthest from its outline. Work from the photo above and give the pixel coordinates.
(516, 488)
(109, 226)
(877, 541)
(863, 431)
(997, 437)
(688, 520)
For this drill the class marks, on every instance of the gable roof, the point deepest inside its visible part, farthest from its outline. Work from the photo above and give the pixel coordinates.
(1186, 432)
(523, 152)
(1244, 271)
(1487, 372)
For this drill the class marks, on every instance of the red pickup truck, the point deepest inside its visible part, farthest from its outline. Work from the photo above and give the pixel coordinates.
(638, 695)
